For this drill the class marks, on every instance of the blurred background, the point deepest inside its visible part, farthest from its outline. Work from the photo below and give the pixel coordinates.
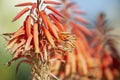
(7, 11)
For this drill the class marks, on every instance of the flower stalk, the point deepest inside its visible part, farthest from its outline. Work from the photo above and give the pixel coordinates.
(40, 69)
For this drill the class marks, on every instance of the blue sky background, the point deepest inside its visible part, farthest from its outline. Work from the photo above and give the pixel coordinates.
(110, 7)
(93, 7)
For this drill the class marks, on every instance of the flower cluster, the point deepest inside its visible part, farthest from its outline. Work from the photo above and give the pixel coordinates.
(77, 62)
(57, 44)
(40, 38)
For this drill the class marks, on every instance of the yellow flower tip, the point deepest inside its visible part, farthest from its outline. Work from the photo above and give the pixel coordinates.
(37, 51)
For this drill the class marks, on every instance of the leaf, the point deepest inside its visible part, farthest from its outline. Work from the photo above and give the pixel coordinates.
(49, 37)
(54, 10)
(24, 4)
(16, 58)
(20, 14)
(18, 65)
(52, 2)
(36, 38)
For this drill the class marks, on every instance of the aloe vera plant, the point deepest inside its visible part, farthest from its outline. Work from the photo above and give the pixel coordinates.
(39, 39)
(54, 41)
(104, 50)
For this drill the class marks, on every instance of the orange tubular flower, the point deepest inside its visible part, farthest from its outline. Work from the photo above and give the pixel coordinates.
(77, 62)
(104, 51)
(39, 39)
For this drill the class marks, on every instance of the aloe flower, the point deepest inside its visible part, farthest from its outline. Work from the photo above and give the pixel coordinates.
(104, 50)
(77, 62)
(41, 39)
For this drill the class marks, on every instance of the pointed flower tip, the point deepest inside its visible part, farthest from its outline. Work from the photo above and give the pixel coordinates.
(13, 20)
(52, 2)
(24, 4)
(20, 14)
(55, 11)
(37, 52)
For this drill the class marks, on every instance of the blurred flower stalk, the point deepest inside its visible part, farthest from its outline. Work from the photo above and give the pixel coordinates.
(95, 55)
(77, 62)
